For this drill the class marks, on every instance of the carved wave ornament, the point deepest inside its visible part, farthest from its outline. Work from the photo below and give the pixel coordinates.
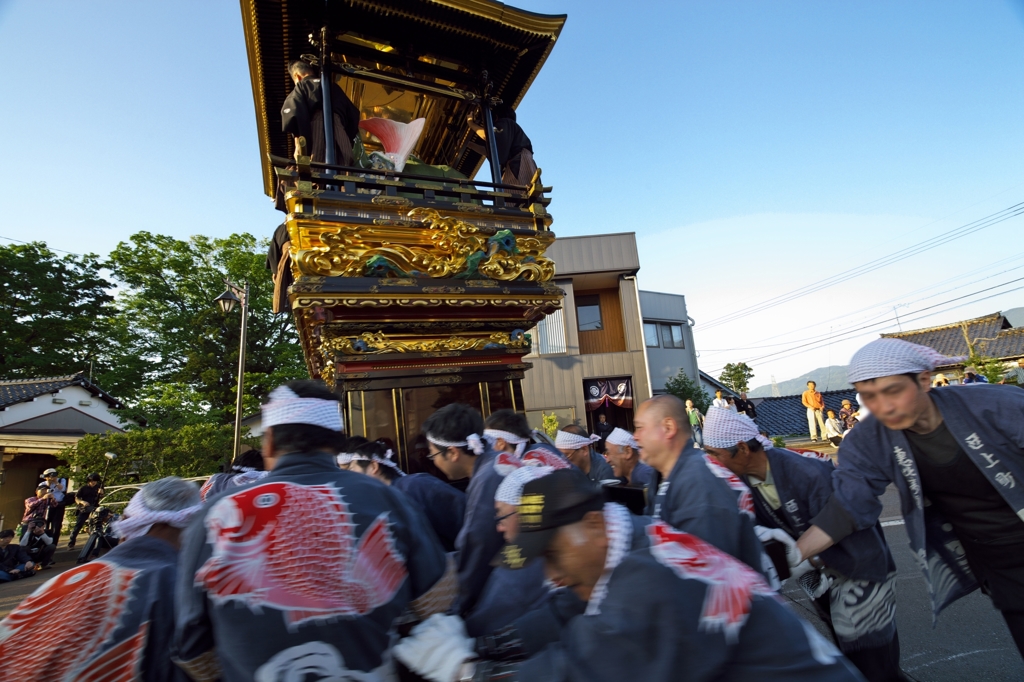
(458, 250)
(376, 343)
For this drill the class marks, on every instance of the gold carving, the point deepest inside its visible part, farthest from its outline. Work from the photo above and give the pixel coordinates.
(384, 200)
(375, 344)
(438, 381)
(456, 249)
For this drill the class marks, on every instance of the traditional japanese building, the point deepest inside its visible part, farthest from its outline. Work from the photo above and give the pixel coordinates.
(412, 285)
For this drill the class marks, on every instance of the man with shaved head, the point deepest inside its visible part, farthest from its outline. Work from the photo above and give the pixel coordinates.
(696, 494)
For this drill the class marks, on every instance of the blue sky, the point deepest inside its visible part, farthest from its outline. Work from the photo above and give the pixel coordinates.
(754, 147)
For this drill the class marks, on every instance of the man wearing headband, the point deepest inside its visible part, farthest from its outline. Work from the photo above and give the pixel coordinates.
(956, 456)
(511, 594)
(246, 468)
(127, 598)
(662, 605)
(250, 608)
(443, 505)
(623, 454)
(577, 446)
(856, 595)
(695, 495)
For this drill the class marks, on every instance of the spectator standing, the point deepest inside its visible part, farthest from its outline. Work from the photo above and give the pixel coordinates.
(37, 507)
(971, 376)
(744, 406)
(814, 403)
(833, 429)
(603, 429)
(719, 401)
(55, 516)
(15, 562)
(1016, 375)
(86, 499)
(124, 602)
(696, 423)
(730, 404)
(38, 545)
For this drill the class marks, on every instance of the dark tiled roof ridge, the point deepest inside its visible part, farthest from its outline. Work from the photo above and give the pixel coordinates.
(42, 380)
(993, 317)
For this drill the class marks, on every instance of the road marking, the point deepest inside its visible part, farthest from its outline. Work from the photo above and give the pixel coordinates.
(955, 656)
(894, 522)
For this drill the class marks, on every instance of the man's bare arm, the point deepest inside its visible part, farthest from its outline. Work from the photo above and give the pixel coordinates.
(813, 542)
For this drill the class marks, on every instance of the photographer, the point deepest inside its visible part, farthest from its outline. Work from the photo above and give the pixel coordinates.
(87, 499)
(37, 507)
(14, 561)
(39, 546)
(58, 488)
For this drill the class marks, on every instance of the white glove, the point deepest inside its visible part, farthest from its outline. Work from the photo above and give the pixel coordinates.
(815, 583)
(765, 534)
(800, 569)
(437, 648)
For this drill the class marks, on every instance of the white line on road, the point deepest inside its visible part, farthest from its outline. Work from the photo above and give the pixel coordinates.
(894, 522)
(955, 656)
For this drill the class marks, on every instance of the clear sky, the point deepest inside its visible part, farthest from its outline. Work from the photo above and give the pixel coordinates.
(754, 147)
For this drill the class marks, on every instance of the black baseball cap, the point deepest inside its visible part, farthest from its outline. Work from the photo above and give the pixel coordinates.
(93, 477)
(559, 499)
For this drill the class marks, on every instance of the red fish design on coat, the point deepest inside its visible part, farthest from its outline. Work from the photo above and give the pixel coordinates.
(731, 583)
(745, 501)
(254, 534)
(506, 462)
(98, 588)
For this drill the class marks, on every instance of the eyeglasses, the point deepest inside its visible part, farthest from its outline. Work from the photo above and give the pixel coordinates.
(499, 519)
(432, 455)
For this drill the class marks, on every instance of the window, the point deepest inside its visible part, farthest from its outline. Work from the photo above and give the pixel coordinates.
(651, 334)
(588, 313)
(672, 335)
(550, 334)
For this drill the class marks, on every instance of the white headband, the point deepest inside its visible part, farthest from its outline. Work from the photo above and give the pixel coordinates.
(345, 458)
(570, 441)
(138, 518)
(511, 489)
(724, 428)
(623, 438)
(284, 407)
(493, 435)
(473, 442)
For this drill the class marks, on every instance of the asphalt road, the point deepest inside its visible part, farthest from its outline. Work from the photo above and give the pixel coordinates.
(970, 643)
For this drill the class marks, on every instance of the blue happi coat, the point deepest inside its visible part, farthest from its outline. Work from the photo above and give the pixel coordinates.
(804, 485)
(307, 569)
(694, 500)
(479, 541)
(125, 604)
(988, 422)
(669, 609)
(444, 505)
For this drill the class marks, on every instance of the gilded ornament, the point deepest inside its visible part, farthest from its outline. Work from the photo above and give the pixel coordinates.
(377, 343)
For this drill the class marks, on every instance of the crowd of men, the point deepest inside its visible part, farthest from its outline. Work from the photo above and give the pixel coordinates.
(320, 559)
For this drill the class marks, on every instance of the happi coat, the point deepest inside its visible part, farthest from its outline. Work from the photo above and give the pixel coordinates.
(444, 505)
(804, 486)
(124, 603)
(672, 608)
(988, 422)
(479, 541)
(700, 501)
(219, 482)
(306, 569)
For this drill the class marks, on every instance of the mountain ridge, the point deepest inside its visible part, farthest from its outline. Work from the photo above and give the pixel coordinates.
(830, 378)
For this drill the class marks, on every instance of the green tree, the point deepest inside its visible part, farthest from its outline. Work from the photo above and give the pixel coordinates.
(54, 312)
(180, 351)
(152, 453)
(990, 368)
(685, 388)
(736, 376)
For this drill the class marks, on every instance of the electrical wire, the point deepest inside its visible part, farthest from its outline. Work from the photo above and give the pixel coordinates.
(870, 266)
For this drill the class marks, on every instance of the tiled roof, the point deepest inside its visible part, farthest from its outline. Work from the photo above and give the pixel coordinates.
(991, 336)
(14, 391)
(787, 415)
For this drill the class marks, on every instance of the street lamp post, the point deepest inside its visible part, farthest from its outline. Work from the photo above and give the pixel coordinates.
(227, 302)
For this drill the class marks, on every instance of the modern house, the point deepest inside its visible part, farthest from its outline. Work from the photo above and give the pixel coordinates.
(668, 336)
(611, 345)
(38, 419)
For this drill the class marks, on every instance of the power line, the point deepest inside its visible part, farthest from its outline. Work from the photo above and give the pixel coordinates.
(870, 266)
(11, 239)
(819, 342)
